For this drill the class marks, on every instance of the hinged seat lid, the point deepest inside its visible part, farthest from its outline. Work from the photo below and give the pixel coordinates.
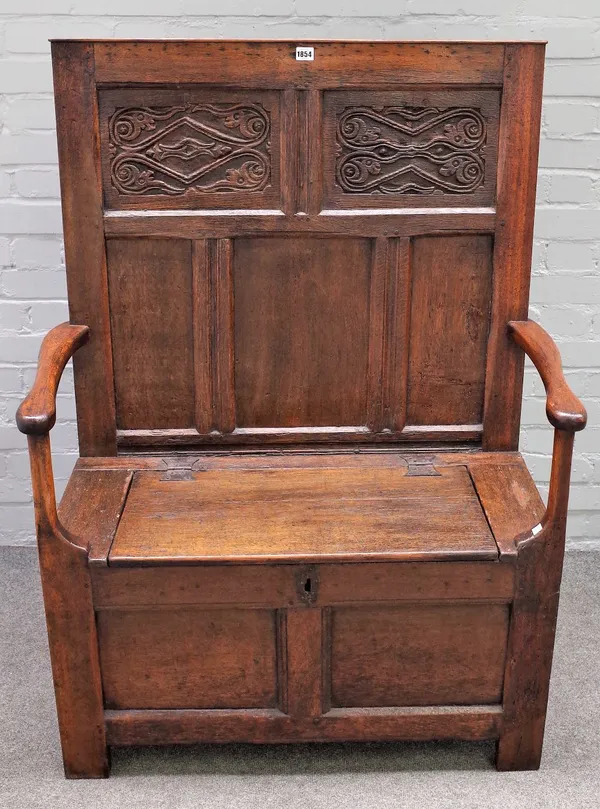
(310, 514)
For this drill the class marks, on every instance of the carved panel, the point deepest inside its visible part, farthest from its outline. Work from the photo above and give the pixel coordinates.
(183, 148)
(410, 150)
(390, 149)
(212, 147)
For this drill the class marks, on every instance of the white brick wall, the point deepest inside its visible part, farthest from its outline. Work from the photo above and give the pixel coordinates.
(566, 286)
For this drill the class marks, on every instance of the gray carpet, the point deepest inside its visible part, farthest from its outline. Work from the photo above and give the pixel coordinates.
(373, 776)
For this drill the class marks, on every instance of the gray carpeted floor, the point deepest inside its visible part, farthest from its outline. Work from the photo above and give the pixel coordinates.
(426, 776)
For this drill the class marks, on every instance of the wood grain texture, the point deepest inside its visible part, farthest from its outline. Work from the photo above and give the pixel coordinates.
(87, 283)
(391, 222)
(510, 499)
(477, 722)
(295, 458)
(224, 402)
(451, 290)
(202, 290)
(91, 508)
(151, 320)
(268, 586)
(301, 331)
(269, 64)
(275, 586)
(37, 412)
(303, 662)
(513, 241)
(414, 582)
(533, 622)
(418, 655)
(563, 408)
(71, 627)
(187, 658)
(301, 515)
(253, 438)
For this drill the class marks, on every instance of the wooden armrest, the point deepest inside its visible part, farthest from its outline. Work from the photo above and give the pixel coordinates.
(565, 412)
(563, 408)
(37, 412)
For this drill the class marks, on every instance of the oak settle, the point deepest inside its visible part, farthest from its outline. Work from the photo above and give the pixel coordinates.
(298, 299)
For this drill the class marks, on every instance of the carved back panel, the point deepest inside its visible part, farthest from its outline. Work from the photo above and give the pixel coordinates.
(271, 251)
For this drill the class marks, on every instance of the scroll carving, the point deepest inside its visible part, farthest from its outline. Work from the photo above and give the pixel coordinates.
(410, 150)
(207, 147)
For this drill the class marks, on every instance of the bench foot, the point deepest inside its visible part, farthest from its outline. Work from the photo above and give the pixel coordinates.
(519, 751)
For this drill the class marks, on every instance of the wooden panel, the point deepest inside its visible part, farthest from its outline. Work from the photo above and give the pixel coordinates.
(275, 585)
(202, 309)
(410, 148)
(187, 658)
(291, 458)
(301, 672)
(418, 655)
(151, 320)
(405, 222)
(266, 64)
(334, 437)
(81, 195)
(451, 293)
(91, 508)
(477, 722)
(175, 148)
(513, 241)
(301, 331)
(297, 514)
(415, 581)
(510, 499)
(272, 586)
(388, 335)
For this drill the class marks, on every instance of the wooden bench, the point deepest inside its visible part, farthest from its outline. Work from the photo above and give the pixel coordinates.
(299, 513)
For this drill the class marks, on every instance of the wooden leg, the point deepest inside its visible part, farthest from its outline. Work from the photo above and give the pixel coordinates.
(533, 623)
(74, 655)
(67, 589)
(527, 683)
(530, 651)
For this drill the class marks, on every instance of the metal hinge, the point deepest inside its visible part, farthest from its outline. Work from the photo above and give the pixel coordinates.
(421, 466)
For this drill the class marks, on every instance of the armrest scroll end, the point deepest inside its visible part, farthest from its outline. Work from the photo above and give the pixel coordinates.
(37, 412)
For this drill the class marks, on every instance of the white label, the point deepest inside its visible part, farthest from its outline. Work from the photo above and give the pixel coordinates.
(536, 529)
(304, 54)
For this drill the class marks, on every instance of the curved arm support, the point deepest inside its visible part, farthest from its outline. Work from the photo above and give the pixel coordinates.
(564, 411)
(563, 408)
(37, 412)
(36, 417)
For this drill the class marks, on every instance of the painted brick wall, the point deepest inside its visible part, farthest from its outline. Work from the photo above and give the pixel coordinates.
(566, 286)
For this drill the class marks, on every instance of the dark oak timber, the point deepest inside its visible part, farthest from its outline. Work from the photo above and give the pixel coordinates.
(299, 514)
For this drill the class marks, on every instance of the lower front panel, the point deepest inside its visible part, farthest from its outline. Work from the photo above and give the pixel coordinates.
(303, 663)
(418, 654)
(188, 658)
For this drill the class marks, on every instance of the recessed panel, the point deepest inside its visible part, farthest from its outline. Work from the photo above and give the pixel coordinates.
(418, 655)
(150, 293)
(187, 658)
(450, 317)
(301, 331)
(173, 148)
(410, 148)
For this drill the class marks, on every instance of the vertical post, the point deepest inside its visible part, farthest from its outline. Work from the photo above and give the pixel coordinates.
(71, 626)
(520, 117)
(533, 623)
